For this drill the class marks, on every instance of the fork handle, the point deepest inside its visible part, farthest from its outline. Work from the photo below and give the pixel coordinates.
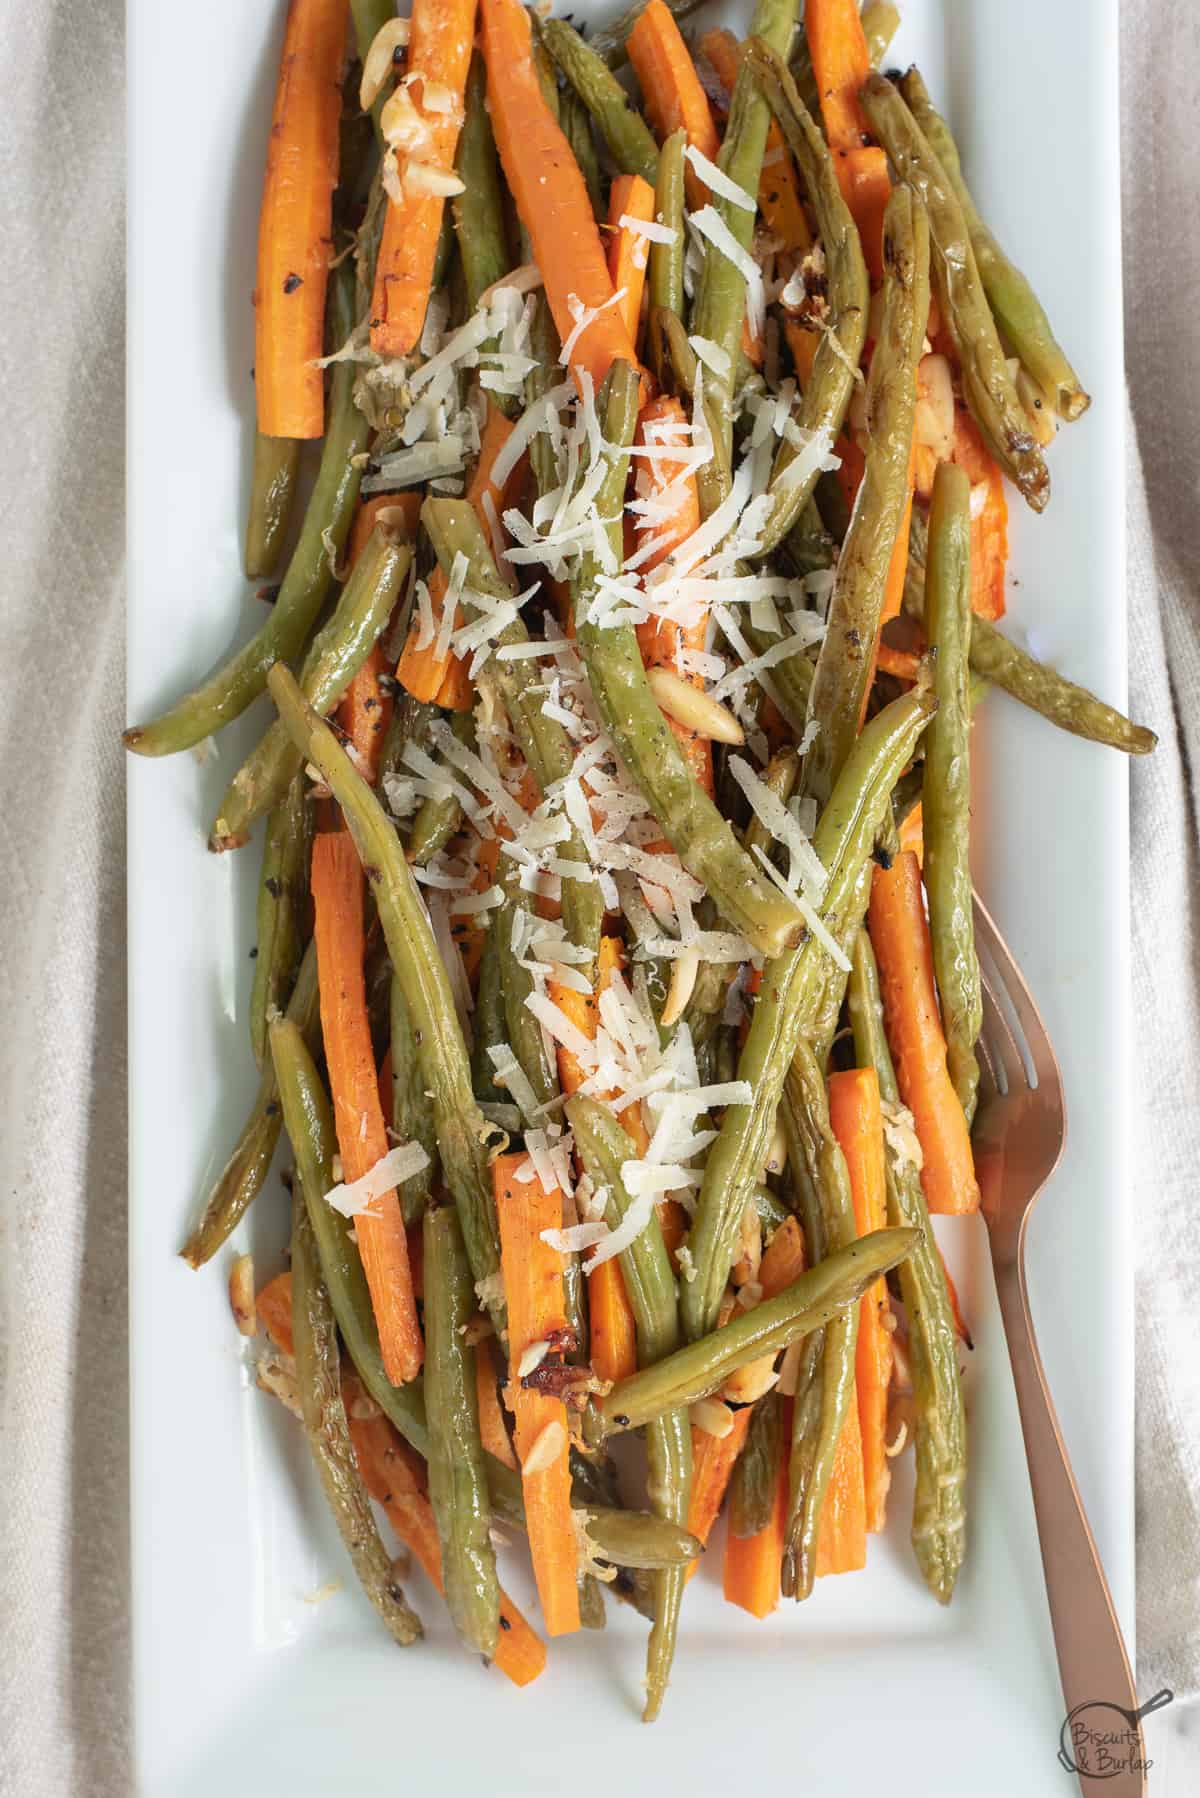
(1092, 1661)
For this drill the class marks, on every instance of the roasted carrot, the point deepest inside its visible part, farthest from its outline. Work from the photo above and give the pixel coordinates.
(751, 1572)
(841, 63)
(493, 1432)
(274, 1307)
(842, 1527)
(989, 521)
(779, 193)
(675, 99)
(713, 1461)
(905, 664)
(551, 195)
(803, 345)
(912, 833)
(439, 54)
(660, 640)
(629, 197)
(960, 1324)
(295, 224)
(612, 1332)
(354, 1083)
(395, 1478)
(444, 680)
(857, 1122)
(533, 1286)
(900, 937)
(782, 1262)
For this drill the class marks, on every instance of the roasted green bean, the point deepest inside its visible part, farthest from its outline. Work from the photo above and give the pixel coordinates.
(336, 655)
(650, 1286)
(946, 786)
(814, 1152)
(411, 1119)
(244, 1174)
(272, 490)
(826, 395)
(1015, 307)
(457, 1475)
(846, 659)
(987, 385)
(576, 122)
(319, 1380)
(282, 890)
(755, 1480)
(939, 1500)
(791, 987)
(227, 693)
(630, 141)
(699, 1368)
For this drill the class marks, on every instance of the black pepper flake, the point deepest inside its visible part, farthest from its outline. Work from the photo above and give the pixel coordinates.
(882, 857)
(621, 1419)
(273, 886)
(272, 1109)
(291, 283)
(505, 1623)
(254, 953)
(388, 684)
(268, 594)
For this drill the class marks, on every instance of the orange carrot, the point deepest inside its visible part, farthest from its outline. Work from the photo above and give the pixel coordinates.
(439, 51)
(295, 224)
(493, 1432)
(402, 508)
(354, 1083)
(444, 680)
(533, 1285)
(366, 710)
(803, 345)
(779, 193)
(613, 1334)
(842, 1526)
(550, 193)
(713, 1459)
(671, 89)
(395, 1477)
(751, 1574)
(960, 1326)
(900, 937)
(857, 1122)
(989, 525)
(903, 663)
(659, 640)
(630, 197)
(841, 63)
(274, 1307)
(912, 833)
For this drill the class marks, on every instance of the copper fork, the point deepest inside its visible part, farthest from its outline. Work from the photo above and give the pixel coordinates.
(1019, 1135)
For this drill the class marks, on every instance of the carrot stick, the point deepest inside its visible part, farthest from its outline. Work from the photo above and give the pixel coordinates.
(660, 640)
(274, 1307)
(551, 195)
(395, 1477)
(354, 1083)
(612, 1332)
(630, 197)
(900, 937)
(713, 1460)
(903, 663)
(295, 224)
(533, 1286)
(444, 680)
(779, 194)
(671, 88)
(960, 1325)
(493, 1432)
(751, 1573)
(841, 63)
(439, 50)
(857, 1122)
(989, 524)
(842, 1528)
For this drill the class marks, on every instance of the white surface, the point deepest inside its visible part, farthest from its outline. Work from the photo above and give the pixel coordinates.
(239, 1683)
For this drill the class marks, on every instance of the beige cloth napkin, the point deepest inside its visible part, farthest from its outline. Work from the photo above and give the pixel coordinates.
(64, 1561)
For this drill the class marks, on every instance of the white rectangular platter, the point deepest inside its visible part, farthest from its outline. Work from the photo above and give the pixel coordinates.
(242, 1684)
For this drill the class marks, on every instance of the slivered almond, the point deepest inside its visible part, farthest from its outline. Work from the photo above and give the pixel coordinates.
(546, 1449)
(381, 58)
(533, 1357)
(750, 1382)
(683, 979)
(427, 178)
(401, 124)
(241, 1295)
(693, 708)
(712, 1417)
